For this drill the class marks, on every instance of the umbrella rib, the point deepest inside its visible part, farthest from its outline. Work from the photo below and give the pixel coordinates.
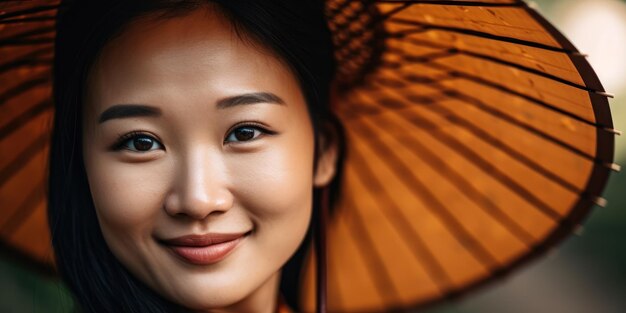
(435, 206)
(28, 33)
(351, 34)
(348, 19)
(492, 140)
(427, 60)
(408, 3)
(381, 276)
(420, 251)
(28, 20)
(480, 105)
(37, 109)
(27, 42)
(501, 62)
(33, 10)
(508, 90)
(427, 57)
(23, 158)
(27, 59)
(394, 11)
(477, 160)
(25, 209)
(465, 186)
(425, 43)
(26, 64)
(338, 7)
(22, 88)
(333, 277)
(455, 3)
(475, 33)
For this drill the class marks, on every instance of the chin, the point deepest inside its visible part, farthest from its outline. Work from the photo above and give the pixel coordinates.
(200, 295)
(199, 299)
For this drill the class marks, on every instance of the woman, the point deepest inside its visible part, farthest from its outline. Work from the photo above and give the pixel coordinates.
(193, 144)
(189, 138)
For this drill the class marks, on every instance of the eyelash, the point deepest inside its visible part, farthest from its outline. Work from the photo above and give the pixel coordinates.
(124, 139)
(255, 126)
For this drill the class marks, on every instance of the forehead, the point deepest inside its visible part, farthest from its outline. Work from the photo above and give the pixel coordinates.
(199, 51)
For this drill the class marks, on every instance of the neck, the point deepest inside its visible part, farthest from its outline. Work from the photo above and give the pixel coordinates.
(262, 300)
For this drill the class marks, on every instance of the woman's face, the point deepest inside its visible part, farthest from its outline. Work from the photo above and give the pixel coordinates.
(199, 154)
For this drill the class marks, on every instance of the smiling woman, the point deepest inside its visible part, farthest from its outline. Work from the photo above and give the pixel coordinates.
(191, 177)
(194, 148)
(200, 146)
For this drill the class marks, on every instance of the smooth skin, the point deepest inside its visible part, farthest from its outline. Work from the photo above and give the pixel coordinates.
(197, 154)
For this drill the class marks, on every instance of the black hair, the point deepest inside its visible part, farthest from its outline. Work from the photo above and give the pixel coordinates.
(295, 30)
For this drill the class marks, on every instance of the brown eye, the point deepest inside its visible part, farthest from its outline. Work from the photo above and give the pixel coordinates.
(141, 143)
(245, 133)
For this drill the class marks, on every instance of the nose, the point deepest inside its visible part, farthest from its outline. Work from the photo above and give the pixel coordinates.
(199, 187)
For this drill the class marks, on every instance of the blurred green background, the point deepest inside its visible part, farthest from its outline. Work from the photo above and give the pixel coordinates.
(586, 274)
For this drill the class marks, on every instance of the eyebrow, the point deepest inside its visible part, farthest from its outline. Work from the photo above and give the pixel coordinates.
(142, 110)
(128, 110)
(249, 98)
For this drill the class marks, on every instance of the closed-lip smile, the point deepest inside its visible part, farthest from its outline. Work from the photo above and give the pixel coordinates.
(204, 249)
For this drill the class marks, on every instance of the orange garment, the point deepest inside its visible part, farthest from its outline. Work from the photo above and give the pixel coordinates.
(281, 306)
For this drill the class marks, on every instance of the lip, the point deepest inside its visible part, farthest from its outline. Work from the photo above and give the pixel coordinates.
(204, 249)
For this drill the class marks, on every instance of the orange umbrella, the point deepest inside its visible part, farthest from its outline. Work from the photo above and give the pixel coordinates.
(478, 138)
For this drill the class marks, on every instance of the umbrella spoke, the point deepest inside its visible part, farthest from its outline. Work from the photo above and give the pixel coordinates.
(29, 59)
(464, 186)
(25, 209)
(367, 248)
(424, 58)
(456, 94)
(479, 161)
(34, 111)
(434, 205)
(389, 14)
(22, 88)
(515, 3)
(421, 26)
(505, 89)
(462, 122)
(428, 156)
(333, 277)
(50, 18)
(498, 61)
(23, 158)
(26, 42)
(400, 221)
(38, 9)
(429, 61)
(48, 29)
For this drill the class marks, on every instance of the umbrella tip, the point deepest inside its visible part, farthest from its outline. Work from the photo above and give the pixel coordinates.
(599, 201)
(606, 94)
(613, 131)
(613, 166)
(532, 4)
(579, 54)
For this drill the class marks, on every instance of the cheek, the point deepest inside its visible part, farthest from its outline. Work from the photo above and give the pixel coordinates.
(275, 187)
(277, 181)
(127, 197)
